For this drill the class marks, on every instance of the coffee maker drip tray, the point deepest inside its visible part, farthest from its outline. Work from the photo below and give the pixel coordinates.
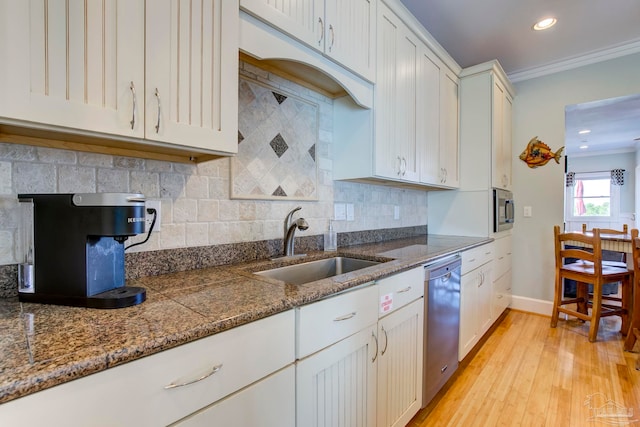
(121, 297)
(124, 296)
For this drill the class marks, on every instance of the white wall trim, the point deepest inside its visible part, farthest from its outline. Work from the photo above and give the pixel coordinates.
(532, 305)
(579, 61)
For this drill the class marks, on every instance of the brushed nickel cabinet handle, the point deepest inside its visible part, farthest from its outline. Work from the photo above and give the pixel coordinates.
(159, 111)
(331, 30)
(133, 115)
(345, 317)
(213, 370)
(386, 342)
(321, 31)
(407, 289)
(375, 355)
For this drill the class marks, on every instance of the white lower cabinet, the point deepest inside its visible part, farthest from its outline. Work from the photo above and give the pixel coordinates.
(501, 298)
(372, 377)
(169, 386)
(400, 363)
(475, 297)
(337, 386)
(336, 370)
(268, 403)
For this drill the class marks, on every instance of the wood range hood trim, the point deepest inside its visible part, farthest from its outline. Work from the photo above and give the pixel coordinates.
(268, 48)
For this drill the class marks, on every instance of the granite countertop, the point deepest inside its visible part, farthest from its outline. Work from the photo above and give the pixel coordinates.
(45, 345)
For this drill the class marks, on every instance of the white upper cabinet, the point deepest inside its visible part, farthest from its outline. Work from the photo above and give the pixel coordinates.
(191, 85)
(501, 141)
(342, 30)
(430, 70)
(449, 141)
(438, 123)
(76, 65)
(159, 70)
(486, 105)
(396, 142)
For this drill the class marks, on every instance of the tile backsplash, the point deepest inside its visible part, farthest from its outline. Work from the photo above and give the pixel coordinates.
(196, 205)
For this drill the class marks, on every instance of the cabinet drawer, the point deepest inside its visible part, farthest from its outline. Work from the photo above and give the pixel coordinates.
(501, 295)
(399, 290)
(474, 258)
(134, 393)
(268, 403)
(328, 321)
(502, 256)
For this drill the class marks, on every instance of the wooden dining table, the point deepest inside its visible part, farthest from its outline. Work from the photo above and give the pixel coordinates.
(622, 243)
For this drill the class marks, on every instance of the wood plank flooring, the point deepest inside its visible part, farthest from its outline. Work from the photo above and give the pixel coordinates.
(529, 374)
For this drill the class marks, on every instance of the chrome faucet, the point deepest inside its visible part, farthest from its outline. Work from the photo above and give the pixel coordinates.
(290, 230)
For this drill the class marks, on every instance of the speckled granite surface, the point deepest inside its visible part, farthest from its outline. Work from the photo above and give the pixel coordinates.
(46, 345)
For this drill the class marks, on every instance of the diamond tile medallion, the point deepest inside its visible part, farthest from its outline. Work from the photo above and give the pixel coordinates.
(277, 136)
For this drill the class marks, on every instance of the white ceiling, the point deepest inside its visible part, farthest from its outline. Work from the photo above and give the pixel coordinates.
(587, 31)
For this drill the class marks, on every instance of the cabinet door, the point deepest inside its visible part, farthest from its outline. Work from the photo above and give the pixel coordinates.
(429, 72)
(449, 141)
(501, 295)
(192, 73)
(301, 19)
(350, 34)
(395, 99)
(74, 64)
(267, 403)
(501, 136)
(400, 364)
(484, 298)
(337, 386)
(507, 147)
(468, 313)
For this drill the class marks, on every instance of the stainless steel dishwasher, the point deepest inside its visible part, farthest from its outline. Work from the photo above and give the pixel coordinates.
(442, 320)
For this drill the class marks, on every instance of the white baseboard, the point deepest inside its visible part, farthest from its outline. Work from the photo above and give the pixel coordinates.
(532, 305)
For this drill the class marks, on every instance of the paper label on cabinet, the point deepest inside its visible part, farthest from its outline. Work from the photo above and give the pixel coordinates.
(386, 303)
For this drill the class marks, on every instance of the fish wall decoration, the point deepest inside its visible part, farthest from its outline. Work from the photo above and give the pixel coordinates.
(538, 153)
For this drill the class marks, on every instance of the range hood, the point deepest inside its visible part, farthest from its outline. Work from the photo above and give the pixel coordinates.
(270, 49)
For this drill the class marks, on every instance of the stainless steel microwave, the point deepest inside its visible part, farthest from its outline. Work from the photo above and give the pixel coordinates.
(503, 210)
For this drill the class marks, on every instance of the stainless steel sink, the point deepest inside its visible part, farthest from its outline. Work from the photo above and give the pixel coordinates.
(311, 271)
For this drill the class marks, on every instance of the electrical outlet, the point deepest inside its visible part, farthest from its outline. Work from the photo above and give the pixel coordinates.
(152, 204)
(339, 211)
(350, 212)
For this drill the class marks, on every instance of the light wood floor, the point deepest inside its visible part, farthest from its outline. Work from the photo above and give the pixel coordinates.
(529, 374)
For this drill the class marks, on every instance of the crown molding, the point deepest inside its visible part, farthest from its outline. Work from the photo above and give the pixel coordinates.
(578, 61)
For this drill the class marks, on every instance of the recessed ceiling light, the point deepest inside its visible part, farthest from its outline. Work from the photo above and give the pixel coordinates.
(584, 147)
(584, 131)
(544, 24)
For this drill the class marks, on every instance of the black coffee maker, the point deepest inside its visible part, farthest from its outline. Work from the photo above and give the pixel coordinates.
(76, 253)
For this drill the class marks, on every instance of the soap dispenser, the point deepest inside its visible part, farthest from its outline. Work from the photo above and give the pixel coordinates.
(330, 239)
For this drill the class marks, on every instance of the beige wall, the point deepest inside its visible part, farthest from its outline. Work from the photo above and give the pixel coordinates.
(539, 111)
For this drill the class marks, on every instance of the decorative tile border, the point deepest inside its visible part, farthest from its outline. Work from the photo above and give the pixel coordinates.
(277, 139)
(154, 263)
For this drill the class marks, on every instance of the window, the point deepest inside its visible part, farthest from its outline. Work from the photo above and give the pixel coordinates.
(592, 197)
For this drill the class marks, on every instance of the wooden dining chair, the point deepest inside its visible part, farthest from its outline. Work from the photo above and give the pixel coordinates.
(622, 262)
(625, 230)
(634, 332)
(587, 269)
